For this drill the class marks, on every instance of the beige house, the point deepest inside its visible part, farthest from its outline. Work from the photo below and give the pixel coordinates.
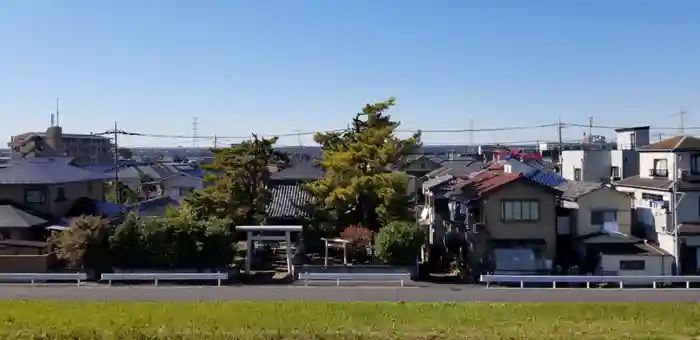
(511, 220)
(599, 220)
(591, 205)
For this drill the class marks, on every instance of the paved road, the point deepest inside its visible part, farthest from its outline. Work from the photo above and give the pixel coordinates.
(454, 293)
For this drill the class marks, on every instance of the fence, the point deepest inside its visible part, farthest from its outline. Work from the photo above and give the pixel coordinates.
(621, 281)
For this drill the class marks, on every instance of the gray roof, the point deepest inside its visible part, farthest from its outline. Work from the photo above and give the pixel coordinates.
(288, 202)
(13, 217)
(303, 171)
(573, 189)
(657, 183)
(429, 184)
(46, 172)
(457, 168)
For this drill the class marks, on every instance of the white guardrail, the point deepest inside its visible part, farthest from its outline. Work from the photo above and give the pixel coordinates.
(588, 280)
(354, 277)
(42, 277)
(156, 277)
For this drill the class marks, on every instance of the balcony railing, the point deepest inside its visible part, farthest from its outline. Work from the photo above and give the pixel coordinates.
(658, 172)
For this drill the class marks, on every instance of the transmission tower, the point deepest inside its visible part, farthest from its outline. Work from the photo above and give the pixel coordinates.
(195, 133)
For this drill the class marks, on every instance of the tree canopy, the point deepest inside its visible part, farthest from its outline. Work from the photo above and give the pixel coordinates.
(237, 182)
(359, 187)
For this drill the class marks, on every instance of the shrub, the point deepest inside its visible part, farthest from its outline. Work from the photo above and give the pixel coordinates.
(85, 244)
(360, 240)
(398, 243)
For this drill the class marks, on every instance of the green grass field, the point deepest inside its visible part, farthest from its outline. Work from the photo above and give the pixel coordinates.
(319, 320)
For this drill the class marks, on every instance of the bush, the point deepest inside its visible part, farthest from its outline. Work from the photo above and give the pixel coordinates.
(85, 244)
(398, 243)
(360, 240)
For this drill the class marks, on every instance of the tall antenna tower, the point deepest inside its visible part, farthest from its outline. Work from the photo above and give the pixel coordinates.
(195, 133)
(58, 122)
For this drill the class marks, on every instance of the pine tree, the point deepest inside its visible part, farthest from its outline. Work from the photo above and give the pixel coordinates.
(359, 187)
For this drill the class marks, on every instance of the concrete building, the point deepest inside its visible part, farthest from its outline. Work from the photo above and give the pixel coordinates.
(598, 164)
(671, 161)
(84, 149)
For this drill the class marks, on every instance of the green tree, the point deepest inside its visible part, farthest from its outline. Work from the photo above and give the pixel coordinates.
(398, 243)
(359, 188)
(238, 179)
(126, 244)
(126, 194)
(85, 244)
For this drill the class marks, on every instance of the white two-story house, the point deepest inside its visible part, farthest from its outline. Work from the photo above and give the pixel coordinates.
(675, 159)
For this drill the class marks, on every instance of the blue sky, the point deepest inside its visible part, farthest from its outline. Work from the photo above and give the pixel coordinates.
(282, 66)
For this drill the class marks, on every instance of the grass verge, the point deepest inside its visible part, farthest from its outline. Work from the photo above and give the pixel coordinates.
(324, 320)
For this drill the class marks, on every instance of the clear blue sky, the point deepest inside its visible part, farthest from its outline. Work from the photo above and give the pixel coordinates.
(279, 66)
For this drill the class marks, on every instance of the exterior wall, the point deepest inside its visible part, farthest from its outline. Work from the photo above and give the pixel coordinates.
(646, 161)
(25, 263)
(625, 160)
(14, 234)
(594, 164)
(72, 192)
(632, 139)
(654, 265)
(604, 199)
(172, 186)
(653, 213)
(544, 229)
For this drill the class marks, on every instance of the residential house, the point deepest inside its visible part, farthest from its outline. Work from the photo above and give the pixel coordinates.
(49, 186)
(673, 160)
(289, 200)
(420, 165)
(179, 185)
(511, 221)
(591, 163)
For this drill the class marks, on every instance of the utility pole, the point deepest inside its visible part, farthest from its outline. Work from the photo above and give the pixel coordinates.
(590, 128)
(216, 142)
(561, 143)
(471, 132)
(682, 114)
(116, 165)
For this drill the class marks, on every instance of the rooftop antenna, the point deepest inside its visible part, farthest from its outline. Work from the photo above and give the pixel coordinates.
(57, 116)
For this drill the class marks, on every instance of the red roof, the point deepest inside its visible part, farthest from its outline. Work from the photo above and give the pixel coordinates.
(484, 182)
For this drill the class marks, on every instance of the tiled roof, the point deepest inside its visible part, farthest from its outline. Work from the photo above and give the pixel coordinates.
(573, 189)
(485, 182)
(429, 184)
(677, 143)
(154, 207)
(304, 171)
(46, 172)
(640, 182)
(457, 168)
(287, 202)
(544, 177)
(14, 217)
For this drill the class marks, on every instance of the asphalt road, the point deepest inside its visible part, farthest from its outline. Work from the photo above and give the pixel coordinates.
(442, 293)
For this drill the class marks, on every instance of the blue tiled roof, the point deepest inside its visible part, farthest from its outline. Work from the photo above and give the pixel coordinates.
(544, 177)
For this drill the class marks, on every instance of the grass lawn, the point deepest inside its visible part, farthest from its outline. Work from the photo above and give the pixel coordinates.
(322, 320)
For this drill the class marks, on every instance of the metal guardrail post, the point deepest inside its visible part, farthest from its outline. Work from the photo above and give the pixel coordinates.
(155, 282)
(401, 283)
(337, 283)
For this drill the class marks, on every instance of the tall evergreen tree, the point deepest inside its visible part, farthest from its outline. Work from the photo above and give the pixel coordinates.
(359, 187)
(237, 182)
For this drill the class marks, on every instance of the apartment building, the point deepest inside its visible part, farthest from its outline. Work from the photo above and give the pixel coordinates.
(85, 149)
(604, 164)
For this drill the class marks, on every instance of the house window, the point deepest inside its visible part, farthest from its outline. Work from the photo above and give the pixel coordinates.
(632, 265)
(599, 217)
(520, 210)
(60, 195)
(185, 191)
(695, 164)
(577, 174)
(660, 168)
(615, 172)
(34, 196)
